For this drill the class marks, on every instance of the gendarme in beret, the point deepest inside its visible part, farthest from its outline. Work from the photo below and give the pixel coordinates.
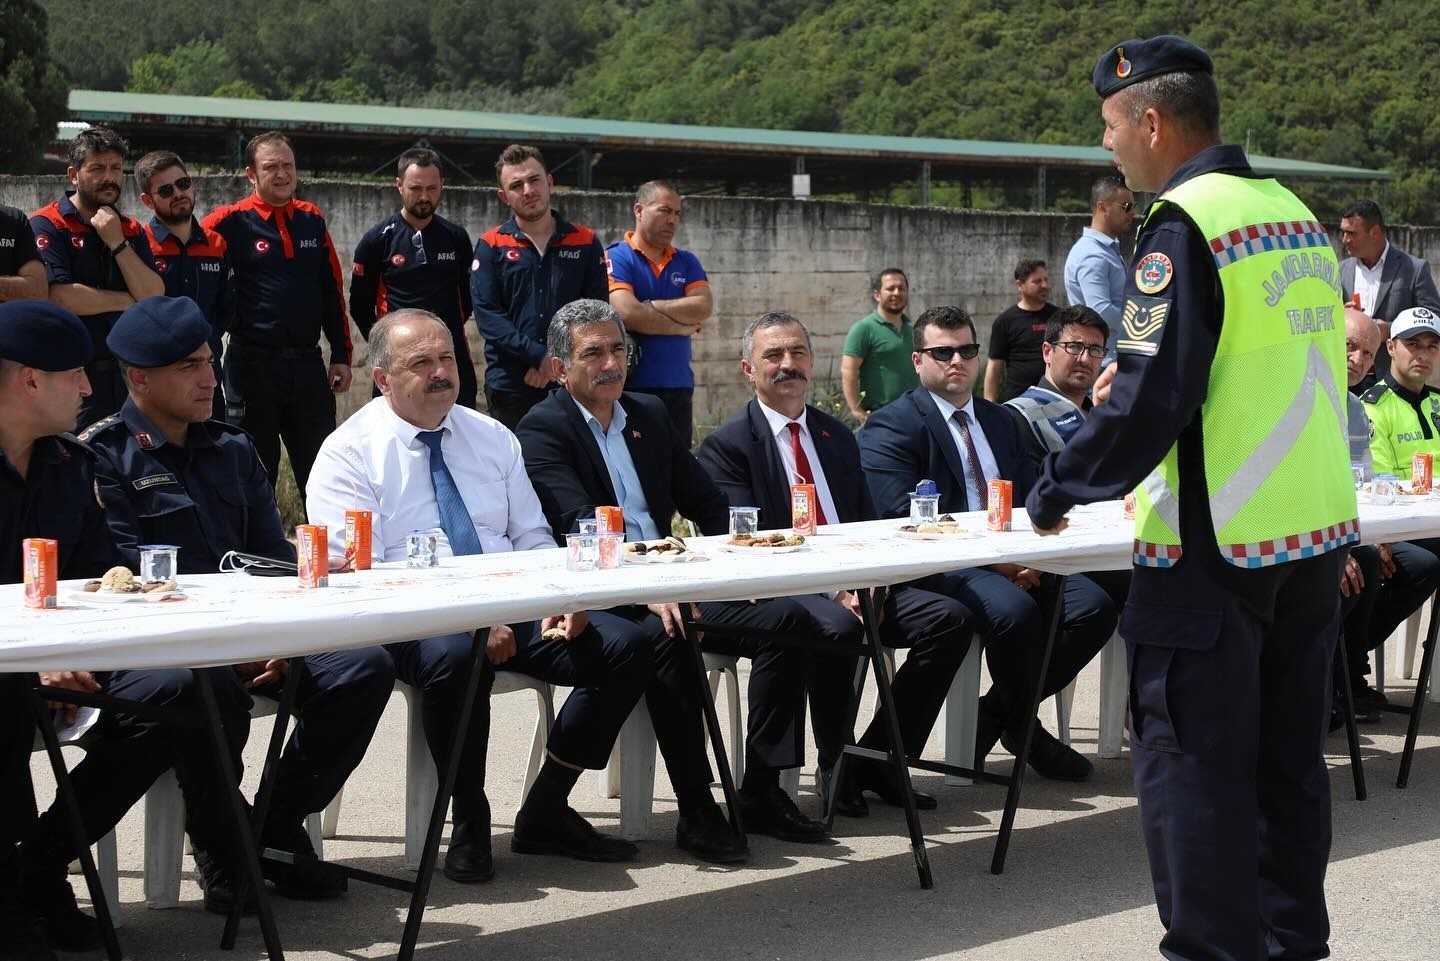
(158, 331)
(38, 334)
(1136, 60)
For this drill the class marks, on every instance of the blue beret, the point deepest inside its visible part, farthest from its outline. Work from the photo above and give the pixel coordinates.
(38, 334)
(1136, 60)
(158, 331)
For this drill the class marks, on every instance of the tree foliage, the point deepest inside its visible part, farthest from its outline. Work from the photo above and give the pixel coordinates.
(33, 88)
(1323, 80)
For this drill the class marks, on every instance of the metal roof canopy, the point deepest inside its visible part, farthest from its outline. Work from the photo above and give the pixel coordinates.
(612, 153)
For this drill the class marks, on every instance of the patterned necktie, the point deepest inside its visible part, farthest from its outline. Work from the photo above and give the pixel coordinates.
(454, 517)
(802, 467)
(977, 474)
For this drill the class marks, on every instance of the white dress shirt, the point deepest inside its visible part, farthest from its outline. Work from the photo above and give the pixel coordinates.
(1367, 282)
(375, 461)
(989, 468)
(780, 430)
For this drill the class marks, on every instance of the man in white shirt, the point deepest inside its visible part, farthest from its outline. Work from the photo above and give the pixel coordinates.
(1384, 278)
(420, 462)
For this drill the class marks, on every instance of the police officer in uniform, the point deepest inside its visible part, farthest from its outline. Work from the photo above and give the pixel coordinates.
(170, 475)
(1228, 395)
(47, 489)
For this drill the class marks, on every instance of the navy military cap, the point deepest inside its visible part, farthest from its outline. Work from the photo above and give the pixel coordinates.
(38, 334)
(158, 331)
(1136, 60)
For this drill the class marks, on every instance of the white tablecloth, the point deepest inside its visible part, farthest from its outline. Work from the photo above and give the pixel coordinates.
(232, 618)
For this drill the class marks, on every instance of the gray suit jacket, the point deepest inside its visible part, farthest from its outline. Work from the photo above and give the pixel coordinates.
(1405, 282)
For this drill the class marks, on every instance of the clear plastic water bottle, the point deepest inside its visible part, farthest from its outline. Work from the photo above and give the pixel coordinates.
(1386, 486)
(925, 503)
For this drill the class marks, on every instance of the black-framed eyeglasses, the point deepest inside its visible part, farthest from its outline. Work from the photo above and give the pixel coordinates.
(1127, 205)
(417, 240)
(166, 191)
(1075, 348)
(946, 354)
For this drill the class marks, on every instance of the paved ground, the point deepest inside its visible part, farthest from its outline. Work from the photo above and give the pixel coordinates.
(1076, 886)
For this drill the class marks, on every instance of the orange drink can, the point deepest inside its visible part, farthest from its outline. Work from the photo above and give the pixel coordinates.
(1422, 472)
(1002, 493)
(357, 539)
(802, 509)
(610, 520)
(312, 546)
(40, 557)
(1129, 513)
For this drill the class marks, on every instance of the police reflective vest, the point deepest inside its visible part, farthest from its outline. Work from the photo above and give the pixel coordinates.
(1401, 427)
(1273, 421)
(1053, 418)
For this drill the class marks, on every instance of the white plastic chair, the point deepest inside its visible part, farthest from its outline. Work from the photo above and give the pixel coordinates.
(1114, 698)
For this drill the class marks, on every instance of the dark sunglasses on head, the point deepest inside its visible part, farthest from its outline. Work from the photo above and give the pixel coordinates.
(946, 354)
(1075, 348)
(418, 242)
(166, 191)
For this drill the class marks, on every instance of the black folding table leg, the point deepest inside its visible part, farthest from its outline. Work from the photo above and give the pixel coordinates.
(448, 772)
(244, 837)
(65, 791)
(1422, 681)
(712, 724)
(899, 763)
(1017, 773)
(261, 809)
(852, 713)
(1347, 707)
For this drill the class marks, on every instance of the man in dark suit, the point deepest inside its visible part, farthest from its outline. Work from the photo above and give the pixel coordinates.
(752, 457)
(1387, 279)
(591, 444)
(941, 431)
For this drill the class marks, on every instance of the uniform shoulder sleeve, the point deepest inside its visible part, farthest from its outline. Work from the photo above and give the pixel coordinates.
(102, 425)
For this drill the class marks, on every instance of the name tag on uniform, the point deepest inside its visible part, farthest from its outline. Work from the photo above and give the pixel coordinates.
(154, 480)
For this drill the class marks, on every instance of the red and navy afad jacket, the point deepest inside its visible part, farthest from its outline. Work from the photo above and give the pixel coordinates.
(288, 286)
(515, 290)
(199, 270)
(73, 253)
(391, 272)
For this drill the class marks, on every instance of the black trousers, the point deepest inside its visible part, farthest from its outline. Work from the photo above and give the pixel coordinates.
(1013, 624)
(609, 666)
(1229, 704)
(17, 794)
(1383, 605)
(679, 404)
(279, 396)
(509, 406)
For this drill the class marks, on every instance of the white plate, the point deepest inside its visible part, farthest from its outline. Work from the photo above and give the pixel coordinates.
(107, 599)
(629, 557)
(736, 549)
(960, 534)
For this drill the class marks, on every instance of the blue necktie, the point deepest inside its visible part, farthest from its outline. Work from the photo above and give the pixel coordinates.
(454, 517)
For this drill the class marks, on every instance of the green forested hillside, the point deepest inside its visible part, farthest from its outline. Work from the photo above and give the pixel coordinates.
(1324, 80)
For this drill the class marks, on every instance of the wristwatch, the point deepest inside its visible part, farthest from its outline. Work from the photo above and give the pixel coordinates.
(115, 251)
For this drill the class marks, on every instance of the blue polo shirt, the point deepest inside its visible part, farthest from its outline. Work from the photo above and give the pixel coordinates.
(664, 358)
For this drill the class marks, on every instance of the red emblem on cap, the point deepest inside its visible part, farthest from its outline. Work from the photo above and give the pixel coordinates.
(512, 255)
(262, 246)
(1122, 66)
(145, 441)
(398, 260)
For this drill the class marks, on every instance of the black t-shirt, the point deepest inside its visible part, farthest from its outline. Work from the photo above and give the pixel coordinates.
(17, 241)
(1015, 338)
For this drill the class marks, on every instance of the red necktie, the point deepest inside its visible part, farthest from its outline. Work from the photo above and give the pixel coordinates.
(282, 224)
(802, 467)
(977, 475)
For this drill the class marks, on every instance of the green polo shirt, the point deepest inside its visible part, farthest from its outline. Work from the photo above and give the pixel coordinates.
(886, 370)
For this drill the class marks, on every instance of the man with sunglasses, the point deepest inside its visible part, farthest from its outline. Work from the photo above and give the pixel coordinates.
(943, 432)
(1095, 269)
(192, 261)
(416, 258)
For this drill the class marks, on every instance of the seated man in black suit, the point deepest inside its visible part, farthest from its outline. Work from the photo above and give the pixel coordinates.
(940, 431)
(593, 444)
(753, 457)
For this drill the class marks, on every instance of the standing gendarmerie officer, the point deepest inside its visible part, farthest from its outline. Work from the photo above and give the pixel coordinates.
(1231, 370)
(47, 489)
(170, 475)
(416, 258)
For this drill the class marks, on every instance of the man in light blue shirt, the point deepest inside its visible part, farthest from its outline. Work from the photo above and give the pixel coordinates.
(639, 525)
(1095, 269)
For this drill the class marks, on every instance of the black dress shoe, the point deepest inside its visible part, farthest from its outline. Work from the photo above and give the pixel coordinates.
(306, 878)
(468, 859)
(1049, 758)
(218, 881)
(773, 812)
(64, 926)
(706, 834)
(849, 800)
(880, 782)
(20, 937)
(565, 832)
